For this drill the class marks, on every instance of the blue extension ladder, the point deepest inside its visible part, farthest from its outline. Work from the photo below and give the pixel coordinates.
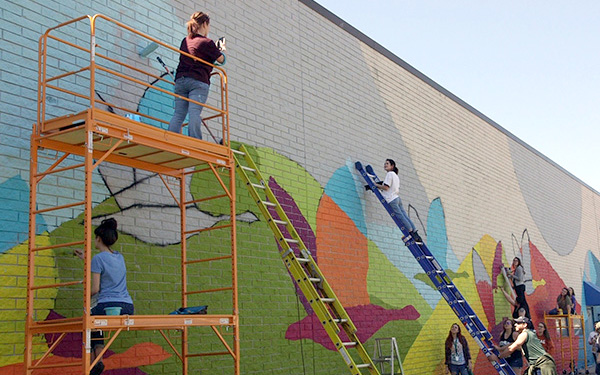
(441, 280)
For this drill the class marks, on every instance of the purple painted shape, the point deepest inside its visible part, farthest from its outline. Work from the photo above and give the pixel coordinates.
(367, 318)
(497, 265)
(302, 227)
(70, 347)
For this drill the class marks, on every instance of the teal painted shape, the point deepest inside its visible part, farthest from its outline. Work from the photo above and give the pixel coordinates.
(158, 104)
(594, 268)
(340, 189)
(437, 236)
(14, 213)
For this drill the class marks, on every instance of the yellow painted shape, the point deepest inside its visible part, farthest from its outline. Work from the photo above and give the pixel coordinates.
(537, 283)
(13, 297)
(427, 352)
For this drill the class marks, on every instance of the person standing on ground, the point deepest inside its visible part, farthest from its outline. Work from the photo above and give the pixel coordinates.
(537, 357)
(390, 188)
(508, 336)
(192, 79)
(594, 341)
(544, 336)
(458, 355)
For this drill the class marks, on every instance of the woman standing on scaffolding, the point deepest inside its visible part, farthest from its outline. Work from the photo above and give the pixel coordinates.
(192, 79)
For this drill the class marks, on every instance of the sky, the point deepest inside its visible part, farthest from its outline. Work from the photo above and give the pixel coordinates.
(533, 66)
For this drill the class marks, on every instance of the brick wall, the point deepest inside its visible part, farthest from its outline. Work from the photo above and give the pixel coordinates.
(311, 98)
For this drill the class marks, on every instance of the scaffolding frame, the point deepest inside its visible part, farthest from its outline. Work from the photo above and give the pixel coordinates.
(569, 333)
(100, 136)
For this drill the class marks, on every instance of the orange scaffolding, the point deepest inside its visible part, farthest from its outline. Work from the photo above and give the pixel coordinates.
(82, 140)
(568, 334)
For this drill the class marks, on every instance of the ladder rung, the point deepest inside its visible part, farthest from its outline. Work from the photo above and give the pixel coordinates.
(290, 240)
(303, 260)
(282, 222)
(271, 204)
(247, 168)
(327, 300)
(315, 279)
(258, 186)
(238, 152)
(340, 320)
(363, 365)
(351, 343)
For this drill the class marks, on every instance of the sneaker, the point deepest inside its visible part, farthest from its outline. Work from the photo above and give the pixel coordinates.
(416, 237)
(97, 370)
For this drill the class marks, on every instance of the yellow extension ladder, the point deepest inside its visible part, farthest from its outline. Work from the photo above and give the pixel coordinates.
(303, 268)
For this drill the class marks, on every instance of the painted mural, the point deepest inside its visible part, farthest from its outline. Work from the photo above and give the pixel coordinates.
(382, 292)
(357, 247)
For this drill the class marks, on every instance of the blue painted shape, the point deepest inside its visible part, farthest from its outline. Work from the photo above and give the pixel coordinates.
(594, 268)
(339, 188)
(14, 213)
(158, 104)
(437, 237)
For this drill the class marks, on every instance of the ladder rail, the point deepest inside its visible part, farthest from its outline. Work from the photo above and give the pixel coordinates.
(303, 267)
(442, 281)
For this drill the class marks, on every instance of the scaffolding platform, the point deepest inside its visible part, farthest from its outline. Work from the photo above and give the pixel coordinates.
(84, 135)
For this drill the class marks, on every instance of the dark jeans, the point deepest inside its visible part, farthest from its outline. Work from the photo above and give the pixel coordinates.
(459, 369)
(126, 309)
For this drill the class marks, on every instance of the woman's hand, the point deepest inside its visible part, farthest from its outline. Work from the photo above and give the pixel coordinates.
(470, 365)
(79, 253)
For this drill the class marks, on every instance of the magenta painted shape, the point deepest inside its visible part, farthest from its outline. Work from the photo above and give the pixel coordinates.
(302, 227)
(367, 318)
(70, 347)
(497, 265)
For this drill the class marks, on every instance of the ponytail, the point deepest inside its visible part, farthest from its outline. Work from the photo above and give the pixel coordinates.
(196, 21)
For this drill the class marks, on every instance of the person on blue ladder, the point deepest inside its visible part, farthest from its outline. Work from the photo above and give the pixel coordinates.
(390, 188)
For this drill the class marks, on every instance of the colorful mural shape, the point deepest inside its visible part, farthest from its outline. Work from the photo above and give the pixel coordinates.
(334, 254)
(383, 290)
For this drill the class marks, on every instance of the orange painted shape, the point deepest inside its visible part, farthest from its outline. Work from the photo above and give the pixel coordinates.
(342, 254)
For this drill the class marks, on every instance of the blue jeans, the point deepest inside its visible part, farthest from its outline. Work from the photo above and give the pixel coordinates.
(396, 206)
(195, 90)
(459, 369)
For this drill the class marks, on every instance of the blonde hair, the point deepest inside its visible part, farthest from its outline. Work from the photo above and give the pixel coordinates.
(197, 19)
(597, 325)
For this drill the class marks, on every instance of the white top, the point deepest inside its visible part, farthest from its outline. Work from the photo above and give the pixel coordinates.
(391, 180)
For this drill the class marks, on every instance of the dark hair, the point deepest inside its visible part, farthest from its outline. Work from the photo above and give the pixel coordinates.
(450, 339)
(393, 164)
(546, 333)
(196, 20)
(571, 291)
(512, 328)
(520, 264)
(107, 231)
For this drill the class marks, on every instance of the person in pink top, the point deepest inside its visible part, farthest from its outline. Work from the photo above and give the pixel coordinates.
(192, 79)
